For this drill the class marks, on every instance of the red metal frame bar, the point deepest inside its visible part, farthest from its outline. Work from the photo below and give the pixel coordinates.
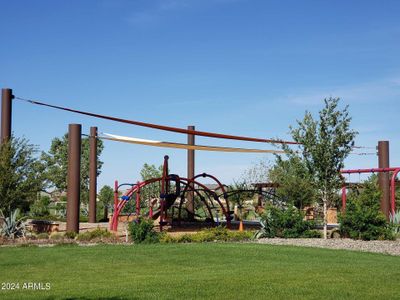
(393, 191)
(206, 188)
(372, 170)
(138, 202)
(221, 186)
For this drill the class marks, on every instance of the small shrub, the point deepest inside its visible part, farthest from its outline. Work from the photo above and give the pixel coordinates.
(57, 236)
(85, 236)
(286, 223)
(185, 238)
(395, 222)
(363, 219)
(312, 234)
(143, 231)
(98, 233)
(31, 237)
(220, 233)
(238, 236)
(42, 236)
(12, 226)
(166, 238)
(70, 234)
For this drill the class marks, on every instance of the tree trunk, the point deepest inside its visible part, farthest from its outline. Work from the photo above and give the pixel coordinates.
(105, 216)
(325, 218)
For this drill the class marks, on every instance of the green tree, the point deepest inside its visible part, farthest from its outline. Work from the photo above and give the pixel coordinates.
(324, 145)
(56, 165)
(295, 181)
(20, 175)
(106, 197)
(40, 208)
(363, 218)
(150, 191)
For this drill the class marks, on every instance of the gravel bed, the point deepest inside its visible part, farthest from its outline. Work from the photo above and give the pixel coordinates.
(386, 247)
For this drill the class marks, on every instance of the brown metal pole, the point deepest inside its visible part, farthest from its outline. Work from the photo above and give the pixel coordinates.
(190, 174)
(73, 180)
(92, 174)
(6, 113)
(383, 177)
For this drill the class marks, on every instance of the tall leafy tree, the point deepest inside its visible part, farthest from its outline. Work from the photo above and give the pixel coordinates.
(152, 190)
(56, 164)
(325, 143)
(295, 181)
(106, 197)
(20, 175)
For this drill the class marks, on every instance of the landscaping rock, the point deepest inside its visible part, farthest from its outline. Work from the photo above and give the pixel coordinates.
(386, 247)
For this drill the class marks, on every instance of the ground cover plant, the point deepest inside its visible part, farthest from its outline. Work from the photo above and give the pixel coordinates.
(216, 234)
(202, 271)
(95, 235)
(144, 232)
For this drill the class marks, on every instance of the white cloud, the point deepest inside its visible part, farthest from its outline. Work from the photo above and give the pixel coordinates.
(161, 8)
(359, 93)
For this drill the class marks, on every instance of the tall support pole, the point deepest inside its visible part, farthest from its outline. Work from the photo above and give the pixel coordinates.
(190, 174)
(6, 113)
(383, 177)
(73, 180)
(164, 191)
(92, 174)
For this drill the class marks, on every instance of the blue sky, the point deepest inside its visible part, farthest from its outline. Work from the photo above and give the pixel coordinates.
(231, 66)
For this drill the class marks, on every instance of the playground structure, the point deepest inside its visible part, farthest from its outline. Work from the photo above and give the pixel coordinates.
(168, 198)
(387, 187)
(392, 186)
(185, 187)
(176, 189)
(74, 159)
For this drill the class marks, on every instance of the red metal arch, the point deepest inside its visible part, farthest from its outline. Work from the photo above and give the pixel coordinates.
(165, 187)
(120, 204)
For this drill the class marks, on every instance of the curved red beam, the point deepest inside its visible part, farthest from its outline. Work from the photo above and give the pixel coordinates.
(393, 191)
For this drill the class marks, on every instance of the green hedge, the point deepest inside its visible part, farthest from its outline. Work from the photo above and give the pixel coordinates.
(220, 234)
(285, 223)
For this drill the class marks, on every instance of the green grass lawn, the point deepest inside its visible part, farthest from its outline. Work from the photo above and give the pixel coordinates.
(207, 271)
